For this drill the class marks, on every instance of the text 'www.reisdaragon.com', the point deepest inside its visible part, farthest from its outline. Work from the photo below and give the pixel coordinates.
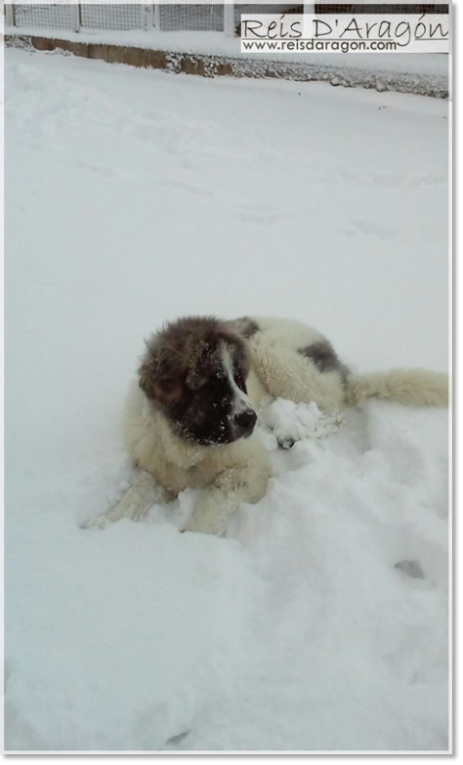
(345, 33)
(343, 46)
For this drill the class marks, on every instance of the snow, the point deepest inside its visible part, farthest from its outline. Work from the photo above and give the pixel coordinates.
(287, 422)
(423, 65)
(321, 622)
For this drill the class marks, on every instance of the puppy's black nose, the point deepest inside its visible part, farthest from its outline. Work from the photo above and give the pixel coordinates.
(246, 419)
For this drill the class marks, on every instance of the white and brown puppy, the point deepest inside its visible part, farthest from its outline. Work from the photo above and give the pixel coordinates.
(190, 416)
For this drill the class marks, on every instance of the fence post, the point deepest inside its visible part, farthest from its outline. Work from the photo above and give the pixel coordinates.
(229, 19)
(147, 21)
(157, 16)
(9, 14)
(76, 16)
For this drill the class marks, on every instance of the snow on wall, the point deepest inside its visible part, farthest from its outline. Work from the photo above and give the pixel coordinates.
(198, 29)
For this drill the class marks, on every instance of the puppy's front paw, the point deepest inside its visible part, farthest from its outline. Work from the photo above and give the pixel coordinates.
(285, 442)
(213, 525)
(126, 508)
(100, 522)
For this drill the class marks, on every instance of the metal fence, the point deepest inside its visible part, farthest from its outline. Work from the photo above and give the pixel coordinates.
(48, 16)
(168, 18)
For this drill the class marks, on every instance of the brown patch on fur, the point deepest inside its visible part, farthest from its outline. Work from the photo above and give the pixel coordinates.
(157, 377)
(323, 355)
(181, 355)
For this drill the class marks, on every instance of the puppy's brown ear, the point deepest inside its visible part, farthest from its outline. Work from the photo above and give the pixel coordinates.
(147, 376)
(157, 376)
(168, 377)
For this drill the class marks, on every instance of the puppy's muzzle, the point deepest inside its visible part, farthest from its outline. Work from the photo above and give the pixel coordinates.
(244, 422)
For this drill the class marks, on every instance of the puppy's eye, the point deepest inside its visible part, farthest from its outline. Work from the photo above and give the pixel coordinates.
(239, 379)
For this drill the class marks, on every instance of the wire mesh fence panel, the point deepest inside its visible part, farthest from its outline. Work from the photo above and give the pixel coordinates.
(114, 16)
(195, 17)
(205, 18)
(47, 16)
(384, 8)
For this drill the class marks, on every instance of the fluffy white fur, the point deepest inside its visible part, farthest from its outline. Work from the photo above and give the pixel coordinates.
(231, 474)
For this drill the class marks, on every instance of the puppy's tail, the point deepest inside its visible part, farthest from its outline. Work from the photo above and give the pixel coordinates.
(412, 387)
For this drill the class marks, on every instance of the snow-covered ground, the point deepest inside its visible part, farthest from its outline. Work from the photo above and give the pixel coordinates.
(320, 622)
(421, 66)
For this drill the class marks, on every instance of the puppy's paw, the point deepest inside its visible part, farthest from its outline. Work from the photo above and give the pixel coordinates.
(126, 508)
(206, 523)
(285, 442)
(100, 522)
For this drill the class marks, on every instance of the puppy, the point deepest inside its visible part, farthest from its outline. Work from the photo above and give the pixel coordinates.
(190, 417)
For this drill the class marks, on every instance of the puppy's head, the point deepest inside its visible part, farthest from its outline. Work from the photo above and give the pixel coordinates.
(195, 371)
